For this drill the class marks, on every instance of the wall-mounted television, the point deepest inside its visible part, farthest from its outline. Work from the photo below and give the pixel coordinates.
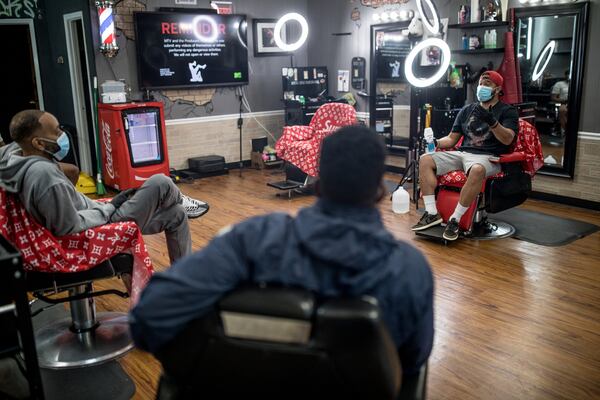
(185, 50)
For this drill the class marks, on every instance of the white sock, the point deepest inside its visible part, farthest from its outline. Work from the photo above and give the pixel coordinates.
(430, 204)
(459, 211)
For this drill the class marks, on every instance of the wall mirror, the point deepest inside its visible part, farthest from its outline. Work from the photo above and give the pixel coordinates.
(390, 44)
(550, 44)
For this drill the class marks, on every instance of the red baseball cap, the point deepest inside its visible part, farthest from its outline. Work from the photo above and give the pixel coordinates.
(494, 77)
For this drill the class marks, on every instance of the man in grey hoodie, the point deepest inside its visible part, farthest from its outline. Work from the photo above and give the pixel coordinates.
(48, 195)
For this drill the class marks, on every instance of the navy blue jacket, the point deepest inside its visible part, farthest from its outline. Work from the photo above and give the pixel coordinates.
(328, 248)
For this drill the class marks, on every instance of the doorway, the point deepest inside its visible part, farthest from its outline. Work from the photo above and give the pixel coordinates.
(22, 85)
(81, 90)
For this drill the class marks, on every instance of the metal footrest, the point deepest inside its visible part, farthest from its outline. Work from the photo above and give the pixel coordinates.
(433, 233)
(285, 185)
(58, 346)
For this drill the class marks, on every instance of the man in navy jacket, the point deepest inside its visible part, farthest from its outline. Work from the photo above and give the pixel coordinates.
(337, 247)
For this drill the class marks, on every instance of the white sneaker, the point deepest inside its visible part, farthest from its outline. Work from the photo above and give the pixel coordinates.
(194, 208)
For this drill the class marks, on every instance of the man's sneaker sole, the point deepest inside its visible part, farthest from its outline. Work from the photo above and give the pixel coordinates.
(451, 239)
(434, 223)
(198, 214)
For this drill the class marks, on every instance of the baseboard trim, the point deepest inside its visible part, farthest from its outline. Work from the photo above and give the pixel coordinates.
(393, 168)
(570, 201)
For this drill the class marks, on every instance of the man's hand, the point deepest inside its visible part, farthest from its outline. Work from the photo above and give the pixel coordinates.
(485, 116)
(122, 197)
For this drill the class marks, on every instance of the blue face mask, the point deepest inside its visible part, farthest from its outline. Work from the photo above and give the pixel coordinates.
(63, 146)
(484, 93)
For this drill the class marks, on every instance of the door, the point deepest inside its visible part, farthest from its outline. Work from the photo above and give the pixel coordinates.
(21, 87)
(81, 90)
(144, 137)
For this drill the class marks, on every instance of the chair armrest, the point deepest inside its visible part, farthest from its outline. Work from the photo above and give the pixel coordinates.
(512, 157)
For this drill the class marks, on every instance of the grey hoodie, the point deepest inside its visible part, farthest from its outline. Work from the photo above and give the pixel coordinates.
(48, 195)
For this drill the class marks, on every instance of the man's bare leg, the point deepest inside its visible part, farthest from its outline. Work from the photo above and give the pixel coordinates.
(428, 182)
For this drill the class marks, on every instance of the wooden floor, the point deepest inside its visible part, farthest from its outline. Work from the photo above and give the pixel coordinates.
(513, 320)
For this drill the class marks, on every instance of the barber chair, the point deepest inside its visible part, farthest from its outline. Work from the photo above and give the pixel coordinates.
(16, 335)
(284, 343)
(300, 145)
(71, 264)
(505, 190)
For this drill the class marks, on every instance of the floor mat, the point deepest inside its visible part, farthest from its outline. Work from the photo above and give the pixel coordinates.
(106, 381)
(545, 229)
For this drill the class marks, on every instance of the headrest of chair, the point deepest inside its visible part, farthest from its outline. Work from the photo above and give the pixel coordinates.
(273, 302)
(273, 314)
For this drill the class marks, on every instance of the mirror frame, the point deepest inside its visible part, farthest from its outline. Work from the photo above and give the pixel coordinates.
(581, 12)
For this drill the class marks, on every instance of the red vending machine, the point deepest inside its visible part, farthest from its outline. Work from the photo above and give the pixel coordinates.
(134, 143)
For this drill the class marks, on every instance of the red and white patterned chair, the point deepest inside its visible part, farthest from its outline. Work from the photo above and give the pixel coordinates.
(505, 190)
(301, 145)
(72, 263)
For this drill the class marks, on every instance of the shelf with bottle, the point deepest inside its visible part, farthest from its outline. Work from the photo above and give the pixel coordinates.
(483, 24)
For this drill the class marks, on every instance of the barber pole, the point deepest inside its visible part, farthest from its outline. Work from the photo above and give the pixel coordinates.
(108, 47)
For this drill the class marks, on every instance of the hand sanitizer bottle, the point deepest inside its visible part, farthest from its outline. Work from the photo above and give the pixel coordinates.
(428, 135)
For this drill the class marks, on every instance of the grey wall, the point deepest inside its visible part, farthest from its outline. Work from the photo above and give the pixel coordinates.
(264, 90)
(590, 117)
(336, 52)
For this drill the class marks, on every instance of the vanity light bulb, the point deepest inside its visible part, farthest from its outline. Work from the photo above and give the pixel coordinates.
(385, 16)
(376, 17)
(394, 15)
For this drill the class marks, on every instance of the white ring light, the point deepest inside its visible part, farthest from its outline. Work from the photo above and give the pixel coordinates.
(279, 26)
(435, 27)
(214, 29)
(408, 64)
(549, 48)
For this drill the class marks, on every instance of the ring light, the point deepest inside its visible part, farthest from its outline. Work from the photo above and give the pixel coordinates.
(549, 48)
(214, 29)
(279, 26)
(435, 27)
(408, 64)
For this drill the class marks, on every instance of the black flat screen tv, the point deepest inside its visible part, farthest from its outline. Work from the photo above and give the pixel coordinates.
(185, 50)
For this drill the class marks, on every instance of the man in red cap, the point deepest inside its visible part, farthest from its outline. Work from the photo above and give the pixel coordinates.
(488, 128)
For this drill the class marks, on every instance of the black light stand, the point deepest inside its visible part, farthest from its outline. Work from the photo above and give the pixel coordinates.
(240, 123)
(411, 172)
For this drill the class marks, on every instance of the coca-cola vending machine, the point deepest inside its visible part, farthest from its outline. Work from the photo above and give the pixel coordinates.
(134, 143)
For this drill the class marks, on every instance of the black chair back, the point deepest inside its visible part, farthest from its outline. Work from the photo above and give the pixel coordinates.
(283, 343)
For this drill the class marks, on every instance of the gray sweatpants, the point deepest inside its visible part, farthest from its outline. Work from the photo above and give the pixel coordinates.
(156, 207)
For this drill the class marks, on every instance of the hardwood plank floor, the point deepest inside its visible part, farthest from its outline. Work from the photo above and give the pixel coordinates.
(513, 320)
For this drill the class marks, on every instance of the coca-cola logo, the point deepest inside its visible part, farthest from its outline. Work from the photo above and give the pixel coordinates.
(108, 162)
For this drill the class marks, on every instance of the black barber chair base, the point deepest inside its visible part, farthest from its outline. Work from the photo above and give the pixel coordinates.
(490, 229)
(485, 230)
(59, 346)
(86, 338)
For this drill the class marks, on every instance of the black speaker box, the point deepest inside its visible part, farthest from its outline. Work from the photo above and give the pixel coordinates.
(207, 164)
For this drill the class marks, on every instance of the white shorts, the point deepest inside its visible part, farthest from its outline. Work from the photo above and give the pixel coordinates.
(446, 161)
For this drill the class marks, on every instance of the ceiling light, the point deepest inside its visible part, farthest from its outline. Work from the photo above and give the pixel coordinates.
(432, 27)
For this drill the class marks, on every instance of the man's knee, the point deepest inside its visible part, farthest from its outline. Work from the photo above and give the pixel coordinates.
(477, 171)
(161, 182)
(426, 162)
